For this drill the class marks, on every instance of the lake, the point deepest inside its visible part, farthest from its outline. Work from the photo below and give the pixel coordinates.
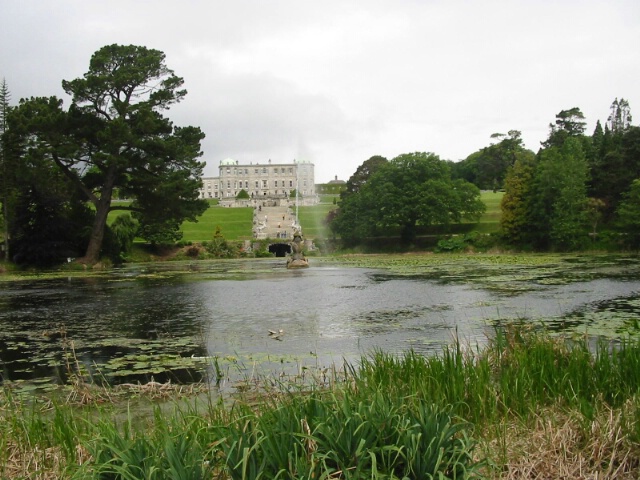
(226, 322)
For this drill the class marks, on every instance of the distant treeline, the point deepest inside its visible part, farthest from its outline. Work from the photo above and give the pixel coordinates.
(578, 191)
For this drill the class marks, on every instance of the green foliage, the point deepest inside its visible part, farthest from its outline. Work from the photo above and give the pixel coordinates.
(330, 188)
(569, 123)
(410, 190)
(319, 436)
(470, 241)
(159, 232)
(113, 136)
(545, 203)
(488, 167)
(559, 205)
(242, 194)
(129, 454)
(616, 164)
(452, 244)
(262, 251)
(49, 222)
(120, 236)
(219, 247)
(628, 215)
(363, 173)
(515, 205)
(395, 416)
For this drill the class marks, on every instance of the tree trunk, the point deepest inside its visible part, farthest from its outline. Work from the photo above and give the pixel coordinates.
(103, 206)
(408, 233)
(5, 206)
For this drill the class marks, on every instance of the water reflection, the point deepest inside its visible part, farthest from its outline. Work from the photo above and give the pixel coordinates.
(194, 324)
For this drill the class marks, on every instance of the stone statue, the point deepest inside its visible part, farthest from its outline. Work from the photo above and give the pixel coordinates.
(297, 258)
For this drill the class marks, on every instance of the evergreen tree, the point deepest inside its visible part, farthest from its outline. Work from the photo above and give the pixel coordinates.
(569, 123)
(558, 213)
(113, 136)
(616, 159)
(5, 98)
(628, 215)
(620, 118)
(48, 217)
(518, 187)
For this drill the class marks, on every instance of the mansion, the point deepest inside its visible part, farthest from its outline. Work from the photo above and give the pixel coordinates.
(262, 181)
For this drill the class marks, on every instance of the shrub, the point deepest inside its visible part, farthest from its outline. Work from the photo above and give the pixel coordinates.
(120, 236)
(219, 247)
(451, 244)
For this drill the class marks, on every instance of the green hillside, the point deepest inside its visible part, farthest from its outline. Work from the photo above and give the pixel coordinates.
(236, 223)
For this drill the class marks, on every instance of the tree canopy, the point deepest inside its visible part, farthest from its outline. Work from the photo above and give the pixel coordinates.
(363, 173)
(545, 204)
(114, 136)
(487, 168)
(410, 190)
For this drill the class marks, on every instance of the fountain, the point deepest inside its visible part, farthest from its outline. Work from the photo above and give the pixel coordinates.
(297, 258)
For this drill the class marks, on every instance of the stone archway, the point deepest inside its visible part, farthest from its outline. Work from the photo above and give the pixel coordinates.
(280, 249)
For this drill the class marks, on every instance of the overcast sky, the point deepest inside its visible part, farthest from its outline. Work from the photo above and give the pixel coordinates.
(335, 82)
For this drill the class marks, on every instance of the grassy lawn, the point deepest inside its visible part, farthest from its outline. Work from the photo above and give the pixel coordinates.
(312, 219)
(490, 220)
(236, 223)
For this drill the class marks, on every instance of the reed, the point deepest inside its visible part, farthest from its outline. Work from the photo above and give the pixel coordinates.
(528, 404)
(520, 371)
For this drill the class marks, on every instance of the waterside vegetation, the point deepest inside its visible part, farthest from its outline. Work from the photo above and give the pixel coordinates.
(526, 406)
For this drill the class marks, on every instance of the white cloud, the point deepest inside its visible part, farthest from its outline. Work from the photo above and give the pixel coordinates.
(336, 82)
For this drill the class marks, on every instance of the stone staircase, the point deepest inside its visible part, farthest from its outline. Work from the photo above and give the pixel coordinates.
(273, 222)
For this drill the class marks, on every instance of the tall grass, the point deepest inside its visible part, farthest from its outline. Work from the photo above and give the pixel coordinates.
(520, 372)
(452, 415)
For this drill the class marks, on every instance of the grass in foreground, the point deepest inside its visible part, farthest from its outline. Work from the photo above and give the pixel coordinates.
(528, 406)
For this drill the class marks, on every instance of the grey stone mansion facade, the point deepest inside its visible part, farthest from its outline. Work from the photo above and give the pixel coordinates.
(262, 181)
